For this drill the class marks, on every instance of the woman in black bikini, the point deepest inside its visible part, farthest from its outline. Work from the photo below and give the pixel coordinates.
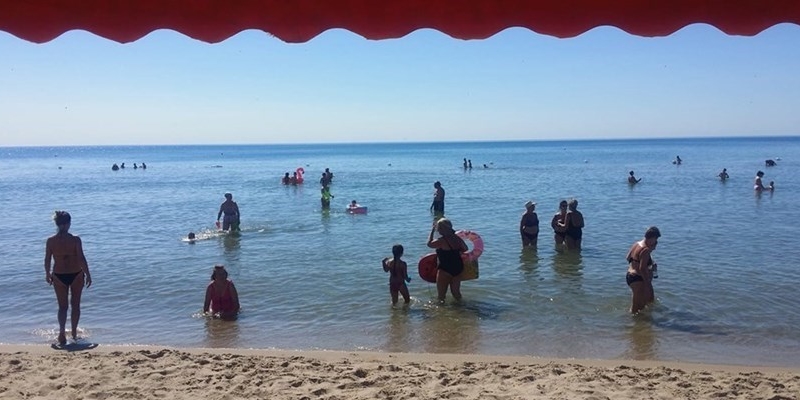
(448, 253)
(529, 225)
(573, 226)
(70, 273)
(640, 270)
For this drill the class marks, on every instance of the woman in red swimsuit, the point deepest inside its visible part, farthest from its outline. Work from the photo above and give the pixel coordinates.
(70, 273)
(222, 300)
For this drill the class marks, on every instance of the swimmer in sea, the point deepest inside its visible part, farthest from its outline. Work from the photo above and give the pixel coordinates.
(221, 300)
(191, 237)
(529, 225)
(232, 216)
(557, 223)
(437, 206)
(758, 186)
(325, 197)
(632, 179)
(448, 254)
(771, 186)
(723, 176)
(573, 226)
(286, 179)
(642, 269)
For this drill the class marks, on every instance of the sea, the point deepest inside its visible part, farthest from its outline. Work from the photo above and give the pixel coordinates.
(309, 279)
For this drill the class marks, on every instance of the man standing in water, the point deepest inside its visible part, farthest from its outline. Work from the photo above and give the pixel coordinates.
(438, 199)
(231, 210)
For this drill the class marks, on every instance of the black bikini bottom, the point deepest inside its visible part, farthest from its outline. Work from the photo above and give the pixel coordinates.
(67, 279)
(630, 278)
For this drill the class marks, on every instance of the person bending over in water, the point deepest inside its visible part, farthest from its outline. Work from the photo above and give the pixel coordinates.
(641, 269)
(632, 179)
(231, 211)
(448, 254)
(557, 223)
(222, 300)
(573, 226)
(758, 185)
(723, 176)
(398, 274)
(70, 273)
(529, 225)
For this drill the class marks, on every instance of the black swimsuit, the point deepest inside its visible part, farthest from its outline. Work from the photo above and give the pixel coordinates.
(531, 220)
(66, 279)
(630, 278)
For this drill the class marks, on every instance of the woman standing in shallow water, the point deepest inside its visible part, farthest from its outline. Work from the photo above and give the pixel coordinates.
(642, 269)
(70, 273)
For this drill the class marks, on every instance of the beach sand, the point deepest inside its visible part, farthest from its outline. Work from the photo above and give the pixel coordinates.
(123, 372)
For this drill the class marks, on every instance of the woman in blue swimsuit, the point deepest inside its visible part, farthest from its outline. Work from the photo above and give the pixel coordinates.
(448, 253)
(640, 270)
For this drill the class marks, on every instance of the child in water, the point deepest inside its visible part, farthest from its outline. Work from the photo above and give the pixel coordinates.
(771, 186)
(354, 204)
(398, 274)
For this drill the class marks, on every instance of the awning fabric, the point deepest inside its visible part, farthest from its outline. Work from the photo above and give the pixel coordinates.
(301, 20)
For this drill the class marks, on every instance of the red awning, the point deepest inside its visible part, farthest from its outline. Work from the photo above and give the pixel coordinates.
(301, 20)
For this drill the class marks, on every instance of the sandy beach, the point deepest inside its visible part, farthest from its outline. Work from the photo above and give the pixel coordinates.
(109, 372)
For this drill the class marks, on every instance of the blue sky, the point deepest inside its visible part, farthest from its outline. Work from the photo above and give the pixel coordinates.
(166, 88)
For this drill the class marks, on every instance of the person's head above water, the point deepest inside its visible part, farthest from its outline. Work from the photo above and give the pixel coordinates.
(62, 218)
(437, 184)
(631, 173)
(228, 196)
(530, 205)
(219, 272)
(760, 174)
(444, 226)
(191, 235)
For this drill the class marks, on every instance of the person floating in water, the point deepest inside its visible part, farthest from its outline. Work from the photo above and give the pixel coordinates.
(325, 197)
(232, 217)
(115, 167)
(221, 300)
(191, 237)
(437, 206)
(723, 176)
(398, 274)
(632, 179)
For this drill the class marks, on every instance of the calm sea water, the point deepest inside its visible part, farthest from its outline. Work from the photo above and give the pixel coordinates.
(312, 280)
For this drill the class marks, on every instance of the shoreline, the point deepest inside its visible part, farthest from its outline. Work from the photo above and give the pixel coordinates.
(156, 371)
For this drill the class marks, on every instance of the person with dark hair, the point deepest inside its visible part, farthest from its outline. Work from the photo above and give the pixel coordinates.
(632, 179)
(448, 254)
(70, 273)
(437, 206)
(573, 226)
(529, 225)
(232, 218)
(723, 176)
(398, 274)
(758, 186)
(557, 223)
(642, 269)
(286, 180)
(221, 300)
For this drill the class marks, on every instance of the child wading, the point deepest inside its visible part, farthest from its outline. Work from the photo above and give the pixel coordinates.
(398, 274)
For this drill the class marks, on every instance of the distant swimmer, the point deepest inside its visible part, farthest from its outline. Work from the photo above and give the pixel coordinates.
(632, 179)
(437, 206)
(191, 237)
(469, 162)
(115, 167)
(573, 226)
(557, 223)
(135, 166)
(325, 197)
(222, 299)
(758, 185)
(122, 166)
(678, 160)
(293, 179)
(232, 217)
(529, 225)
(771, 186)
(286, 180)
(144, 166)
(465, 163)
(723, 176)
(770, 163)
